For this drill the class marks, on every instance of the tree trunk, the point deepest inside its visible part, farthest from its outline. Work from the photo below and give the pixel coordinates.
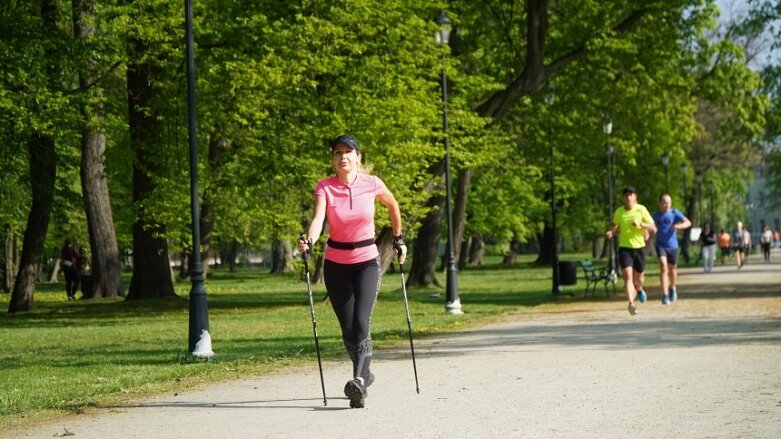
(184, 266)
(512, 254)
(151, 268)
(43, 172)
(463, 254)
(10, 259)
(459, 211)
(426, 247)
(281, 256)
(218, 146)
(233, 252)
(477, 250)
(545, 239)
(105, 267)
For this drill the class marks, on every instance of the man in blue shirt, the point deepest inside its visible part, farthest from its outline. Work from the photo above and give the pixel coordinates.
(668, 220)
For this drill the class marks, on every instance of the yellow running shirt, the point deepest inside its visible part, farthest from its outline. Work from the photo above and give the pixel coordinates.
(631, 236)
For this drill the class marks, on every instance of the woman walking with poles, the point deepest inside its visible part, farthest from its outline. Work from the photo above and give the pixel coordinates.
(352, 265)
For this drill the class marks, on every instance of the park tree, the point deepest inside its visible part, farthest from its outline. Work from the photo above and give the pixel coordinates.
(278, 83)
(40, 111)
(97, 63)
(759, 30)
(528, 44)
(730, 117)
(46, 32)
(152, 63)
(276, 80)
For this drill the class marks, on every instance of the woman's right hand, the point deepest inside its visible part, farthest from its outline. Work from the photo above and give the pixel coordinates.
(304, 244)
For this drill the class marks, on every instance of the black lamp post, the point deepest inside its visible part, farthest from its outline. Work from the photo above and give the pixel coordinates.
(607, 128)
(555, 280)
(685, 243)
(711, 192)
(698, 179)
(683, 185)
(453, 303)
(200, 342)
(666, 164)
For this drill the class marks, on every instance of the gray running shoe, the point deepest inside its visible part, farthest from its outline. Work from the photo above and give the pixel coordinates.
(356, 392)
(632, 309)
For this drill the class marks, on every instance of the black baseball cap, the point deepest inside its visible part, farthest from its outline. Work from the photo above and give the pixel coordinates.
(629, 190)
(345, 139)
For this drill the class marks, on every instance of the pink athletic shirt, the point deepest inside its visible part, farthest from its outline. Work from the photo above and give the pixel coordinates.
(350, 212)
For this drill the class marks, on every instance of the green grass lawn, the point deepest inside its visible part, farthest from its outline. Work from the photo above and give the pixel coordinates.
(70, 356)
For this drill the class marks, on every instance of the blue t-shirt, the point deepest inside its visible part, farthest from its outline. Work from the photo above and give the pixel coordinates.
(665, 234)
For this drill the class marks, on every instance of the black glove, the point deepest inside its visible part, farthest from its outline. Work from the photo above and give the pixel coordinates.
(399, 246)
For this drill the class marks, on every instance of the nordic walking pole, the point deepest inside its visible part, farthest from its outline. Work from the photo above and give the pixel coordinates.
(409, 327)
(304, 256)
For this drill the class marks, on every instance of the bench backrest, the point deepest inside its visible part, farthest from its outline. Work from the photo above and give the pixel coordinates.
(587, 265)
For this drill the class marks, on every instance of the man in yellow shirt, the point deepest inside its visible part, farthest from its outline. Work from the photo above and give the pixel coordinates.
(630, 222)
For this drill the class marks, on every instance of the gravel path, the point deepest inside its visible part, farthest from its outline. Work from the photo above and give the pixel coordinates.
(706, 366)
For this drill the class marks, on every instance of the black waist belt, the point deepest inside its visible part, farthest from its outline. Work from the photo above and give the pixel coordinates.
(350, 245)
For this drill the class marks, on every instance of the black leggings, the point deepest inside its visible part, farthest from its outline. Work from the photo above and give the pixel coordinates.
(71, 281)
(353, 291)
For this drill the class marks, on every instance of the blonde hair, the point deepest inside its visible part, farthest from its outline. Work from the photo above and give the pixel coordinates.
(363, 168)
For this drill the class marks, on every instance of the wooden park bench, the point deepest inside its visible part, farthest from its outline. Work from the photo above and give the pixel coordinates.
(595, 274)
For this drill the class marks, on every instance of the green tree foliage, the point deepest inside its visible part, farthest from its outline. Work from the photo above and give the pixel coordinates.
(276, 80)
(619, 59)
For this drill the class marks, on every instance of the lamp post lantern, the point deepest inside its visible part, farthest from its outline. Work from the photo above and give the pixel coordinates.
(200, 343)
(607, 128)
(666, 164)
(453, 302)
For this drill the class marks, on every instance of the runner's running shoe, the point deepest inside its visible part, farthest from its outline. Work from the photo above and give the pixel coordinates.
(641, 296)
(673, 294)
(632, 309)
(666, 300)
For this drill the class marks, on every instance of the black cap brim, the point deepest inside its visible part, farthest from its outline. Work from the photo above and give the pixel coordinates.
(345, 139)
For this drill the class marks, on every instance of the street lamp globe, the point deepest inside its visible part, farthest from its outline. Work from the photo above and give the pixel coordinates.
(444, 22)
(666, 164)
